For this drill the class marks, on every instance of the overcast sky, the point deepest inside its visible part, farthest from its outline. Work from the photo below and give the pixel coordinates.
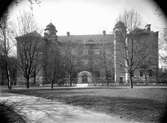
(89, 16)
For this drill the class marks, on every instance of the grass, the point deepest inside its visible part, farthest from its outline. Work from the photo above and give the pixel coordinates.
(145, 105)
(137, 109)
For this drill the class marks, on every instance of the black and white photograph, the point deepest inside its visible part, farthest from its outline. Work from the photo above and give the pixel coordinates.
(83, 61)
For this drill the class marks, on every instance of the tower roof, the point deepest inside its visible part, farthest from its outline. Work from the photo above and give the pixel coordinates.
(50, 26)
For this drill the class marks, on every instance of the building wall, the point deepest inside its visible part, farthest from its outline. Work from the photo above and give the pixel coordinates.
(92, 53)
(145, 56)
(150, 43)
(95, 54)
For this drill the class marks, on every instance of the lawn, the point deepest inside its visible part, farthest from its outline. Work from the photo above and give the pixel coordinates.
(139, 104)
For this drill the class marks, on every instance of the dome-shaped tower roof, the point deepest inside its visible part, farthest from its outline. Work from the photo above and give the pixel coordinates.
(50, 30)
(50, 26)
(120, 25)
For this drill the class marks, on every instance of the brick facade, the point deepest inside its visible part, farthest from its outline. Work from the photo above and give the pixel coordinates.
(95, 54)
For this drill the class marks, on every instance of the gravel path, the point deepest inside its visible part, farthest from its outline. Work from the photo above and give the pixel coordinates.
(40, 110)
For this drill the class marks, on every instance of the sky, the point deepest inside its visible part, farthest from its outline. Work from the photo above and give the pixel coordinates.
(81, 17)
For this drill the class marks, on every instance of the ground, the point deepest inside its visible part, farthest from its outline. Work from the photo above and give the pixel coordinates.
(139, 104)
(41, 110)
(8, 114)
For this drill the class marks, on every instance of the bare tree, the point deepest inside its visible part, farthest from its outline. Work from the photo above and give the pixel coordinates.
(28, 45)
(131, 20)
(25, 23)
(68, 62)
(31, 3)
(127, 23)
(57, 72)
(52, 65)
(5, 47)
(7, 36)
(104, 59)
(28, 54)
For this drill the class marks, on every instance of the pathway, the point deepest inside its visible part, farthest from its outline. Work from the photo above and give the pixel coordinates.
(40, 110)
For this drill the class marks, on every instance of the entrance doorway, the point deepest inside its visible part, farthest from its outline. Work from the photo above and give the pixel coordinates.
(84, 78)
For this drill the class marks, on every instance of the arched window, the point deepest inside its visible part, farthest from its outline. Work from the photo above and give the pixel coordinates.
(141, 73)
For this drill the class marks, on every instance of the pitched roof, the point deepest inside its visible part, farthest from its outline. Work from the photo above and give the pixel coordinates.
(34, 34)
(88, 39)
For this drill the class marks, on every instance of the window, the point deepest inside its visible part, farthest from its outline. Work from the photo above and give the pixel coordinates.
(40, 53)
(121, 79)
(150, 73)
(73, 52)
(108, 73)
(141, 73)
(85, 61)
(97, 73)
(97, 51)
(108, 52)
(85, 52)
(63, 52)
(75, 61)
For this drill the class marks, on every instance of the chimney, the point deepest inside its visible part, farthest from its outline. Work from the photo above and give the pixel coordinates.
(148, 27)
(68, 34)
(104, 32)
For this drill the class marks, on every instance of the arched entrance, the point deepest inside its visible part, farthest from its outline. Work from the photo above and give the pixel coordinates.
(84, 78)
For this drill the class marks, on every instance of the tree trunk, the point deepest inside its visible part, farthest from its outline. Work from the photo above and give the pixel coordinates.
(28, 83)
(51, 84)
(145, 77)
(8, 74)
(131, 82)
(34, 78)
(9, 80)
(107, 79)
(70, 80)
(107, 82)
(6, 54)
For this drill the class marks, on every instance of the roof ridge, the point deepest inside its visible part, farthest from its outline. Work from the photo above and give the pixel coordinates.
(87, 35)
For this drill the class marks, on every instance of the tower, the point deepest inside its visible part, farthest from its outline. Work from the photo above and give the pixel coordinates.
(120, 36)
(49, 37)
(50, 32)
